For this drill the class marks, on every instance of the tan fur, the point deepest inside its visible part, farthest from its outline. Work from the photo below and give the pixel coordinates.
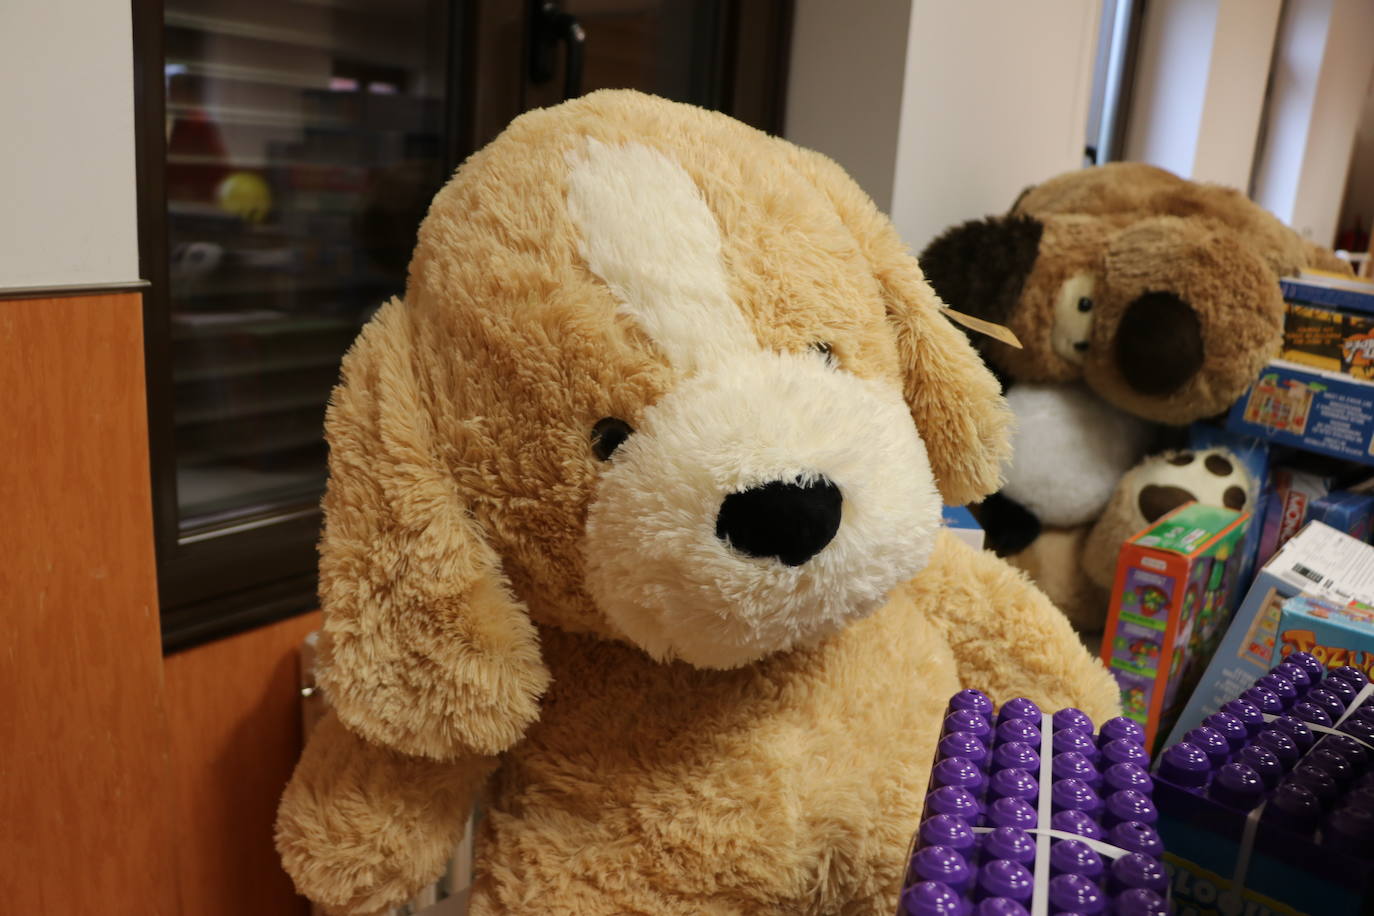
(1138, 229)
(458, 626)
(1053, 563)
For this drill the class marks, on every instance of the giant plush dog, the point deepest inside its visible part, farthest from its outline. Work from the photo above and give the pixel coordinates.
(633, 527)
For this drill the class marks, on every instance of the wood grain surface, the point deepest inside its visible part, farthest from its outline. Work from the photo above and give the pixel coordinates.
(85, 812)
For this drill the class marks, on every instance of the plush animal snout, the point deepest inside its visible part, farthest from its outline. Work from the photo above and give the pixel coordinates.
(792, 521)
(1159, 344)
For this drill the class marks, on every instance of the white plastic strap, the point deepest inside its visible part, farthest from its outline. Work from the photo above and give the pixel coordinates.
(1252, 820)
(1040, 895)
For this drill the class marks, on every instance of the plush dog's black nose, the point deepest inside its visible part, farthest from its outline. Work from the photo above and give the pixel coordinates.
(790, 521)
(1158, 344)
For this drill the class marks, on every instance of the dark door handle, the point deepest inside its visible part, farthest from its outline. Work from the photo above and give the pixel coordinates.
(548, 26)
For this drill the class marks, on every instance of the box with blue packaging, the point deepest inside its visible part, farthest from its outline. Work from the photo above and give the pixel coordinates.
(1310, 409)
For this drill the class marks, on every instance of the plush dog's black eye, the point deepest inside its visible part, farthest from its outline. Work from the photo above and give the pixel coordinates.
(607, 435)
(1085, 304)
(825, 350)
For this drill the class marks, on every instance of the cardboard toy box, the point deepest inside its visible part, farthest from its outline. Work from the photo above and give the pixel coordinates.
(1169, 603)
(1335, 634)
(1320, 561)
(1329, 326)
(962, 525)
(1309, 409)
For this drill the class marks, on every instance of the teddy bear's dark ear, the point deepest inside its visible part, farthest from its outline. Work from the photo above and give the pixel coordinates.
(954, 399)
(425, 649)
(980, 267)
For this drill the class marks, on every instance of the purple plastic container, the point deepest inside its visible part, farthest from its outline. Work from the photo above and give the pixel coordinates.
(942, 864)
(1309, 663)
(1121, 727)
(1073, 765)
(1330, 698)
(948, 830)
(931, 898)
(1295, 673)
(1186, 765)
(1297, 730)
(1017, 755)
(1076, 894)
(1229, 727)
(1019, 730)
(1138, 870)
(953, 800)
(1005, 878)
(1352, 674)
(1019, 708)
(1134, 836)
(1129, 805)
(1069, 717)
(1075, 795)
(1238, 786)
(1211, 743)
(1077, 822)
(1013, 783)
(1140, 901)
(1011, 812)
(966, 720)
(1264, 762)
(1283, 688)
(1074, 739)
(1127, 776)
(1000, 906)
(1250, 715)
(974, 700)
(1075, 857)
(1010, 843)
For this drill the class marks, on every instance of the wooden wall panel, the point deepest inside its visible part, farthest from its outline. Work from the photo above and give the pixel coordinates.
(85, 820)
(234, 712)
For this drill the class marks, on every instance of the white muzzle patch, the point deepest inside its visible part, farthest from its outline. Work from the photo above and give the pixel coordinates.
(740, 419)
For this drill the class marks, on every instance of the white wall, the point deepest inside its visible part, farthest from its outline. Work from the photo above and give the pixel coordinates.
(1198, 95)
(943, 111)
(1322, 69)
(995, 98)
(67, 200)
(1359, 189)
(844, 92)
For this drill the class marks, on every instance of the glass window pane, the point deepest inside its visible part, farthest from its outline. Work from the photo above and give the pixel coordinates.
(304, 141)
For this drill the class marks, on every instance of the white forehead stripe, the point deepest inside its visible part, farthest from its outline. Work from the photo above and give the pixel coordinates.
(648, 234)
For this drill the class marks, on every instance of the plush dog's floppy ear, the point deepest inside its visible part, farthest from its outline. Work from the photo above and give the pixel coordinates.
(980, 267)
(955, 400)
(425, 650)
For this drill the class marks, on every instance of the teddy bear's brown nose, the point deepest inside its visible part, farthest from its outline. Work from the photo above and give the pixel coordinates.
(790, 521)
(1158, 344)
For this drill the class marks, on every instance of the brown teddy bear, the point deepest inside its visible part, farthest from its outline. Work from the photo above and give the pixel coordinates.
(1128, 284)
(632, 528)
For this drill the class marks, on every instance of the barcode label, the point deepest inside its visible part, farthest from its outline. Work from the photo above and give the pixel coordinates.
(1307, 573)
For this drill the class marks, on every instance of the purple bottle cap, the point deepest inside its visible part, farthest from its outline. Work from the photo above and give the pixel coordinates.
(1074, 857)
(1019, 730)
(1141, 901)
(1185, 765)
(1005, 878)
(1130, 805)
(1282, 744)
(1352, 674)
(1352, 749)
(1126, 750)
(1250, 715)
(1336, 765)
(1014, 783)
(1229, 727)
(1011, 812)
(1266, 699)
(1331, 701)
(1342, 688)
(1075, 795)
(1216, 747)
(1000, 906)
(1295, 673)
(931, 898)
(1128, 776)
(1010, 843)
(1307, 662)
(1073, 765)
(1016, 754)
(1069, 717)
(1360, 728)
(1078, 822)
(1297, 730)
(966, 745)
(1312, 713)
(1136, 869)
(1019, 708)
(966, 720)
(1317, 780)
(1121, 727)
(1076, 894)
(1264, 762)
(943, 864)
(1283, 688)
(1294, 807)
(974, 700)
(1075, 739)
(958, 771)
(1134, 836)
(1237, 786)
(1350, 826)
(953, 800)
(947, 830)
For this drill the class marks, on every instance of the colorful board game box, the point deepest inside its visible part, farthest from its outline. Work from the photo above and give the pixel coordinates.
(1310, 409)
(1253, 454)
(1320, 561)
(1329, 326)
(1267, 806)
(1335, 634)
(1170, 602)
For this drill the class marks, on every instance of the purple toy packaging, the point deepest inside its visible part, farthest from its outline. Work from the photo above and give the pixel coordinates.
(1267, 807)
(1030, 813)
(1170, 603)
